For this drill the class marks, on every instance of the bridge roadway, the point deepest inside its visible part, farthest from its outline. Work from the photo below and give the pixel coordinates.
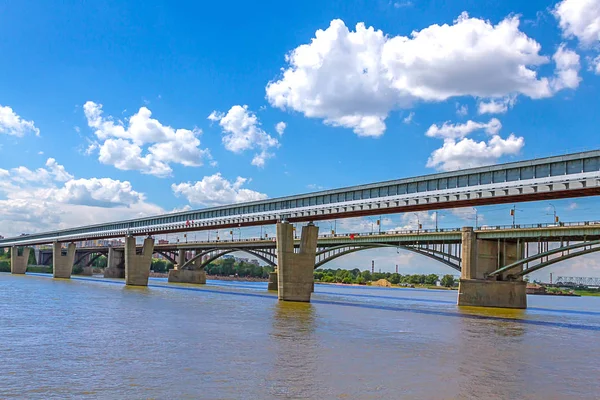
(566, 176)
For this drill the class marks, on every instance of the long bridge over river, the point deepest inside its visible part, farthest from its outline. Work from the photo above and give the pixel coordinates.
(492, 262)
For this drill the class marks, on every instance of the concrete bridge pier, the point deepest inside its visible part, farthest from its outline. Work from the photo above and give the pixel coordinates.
(18, 263)
(63, 265)
(115, 266)
(295, 271)
(180, 258)
(479, 258)
(272, 285)
(137, 267)
(195, 274)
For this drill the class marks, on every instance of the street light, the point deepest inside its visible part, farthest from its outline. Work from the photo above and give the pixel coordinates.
(418, 222)
(476, 218)
(555, 220)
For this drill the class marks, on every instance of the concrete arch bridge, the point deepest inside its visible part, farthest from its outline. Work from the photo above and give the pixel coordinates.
(497, 257)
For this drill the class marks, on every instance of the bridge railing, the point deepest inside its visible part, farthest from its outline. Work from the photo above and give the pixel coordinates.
(382, 233)
(541, 225)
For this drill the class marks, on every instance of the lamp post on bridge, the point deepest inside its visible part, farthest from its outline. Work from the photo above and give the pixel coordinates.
(476, 218)
(555, 219)
(418, 222)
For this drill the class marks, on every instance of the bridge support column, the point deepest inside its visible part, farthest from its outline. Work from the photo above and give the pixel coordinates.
(195, 274)
(137, 267)
(63, 265)
(180, 258)
(295, 271)
(272, 281)
(115, 266)
(479, 258)
(18, 263)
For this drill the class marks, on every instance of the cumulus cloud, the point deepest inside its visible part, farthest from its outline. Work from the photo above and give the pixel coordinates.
(58, 171)
(13, 124)
(579, 19)
(496, 106)
(142, 143)
(462, 110)
(242, 131)
(458, 131)
(280, 127)
(103, 192)
(567, 69)
(49, 198)
(596, 65)
(215, 190)
(408, 119)
(468, 153)
(354, 79)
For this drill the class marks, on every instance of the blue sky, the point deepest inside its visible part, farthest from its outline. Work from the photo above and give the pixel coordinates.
(104, 106)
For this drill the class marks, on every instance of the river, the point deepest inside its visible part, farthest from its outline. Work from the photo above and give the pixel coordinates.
(95, 338)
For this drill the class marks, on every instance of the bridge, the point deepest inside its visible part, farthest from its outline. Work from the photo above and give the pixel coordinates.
(492, 261)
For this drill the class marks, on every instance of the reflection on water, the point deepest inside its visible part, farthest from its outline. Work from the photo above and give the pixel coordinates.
(296, 348)
(90, 338)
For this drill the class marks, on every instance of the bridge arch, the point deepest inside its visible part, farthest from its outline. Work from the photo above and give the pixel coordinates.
(566, 252)
(87, 253)
(328, 254)
(216, 253)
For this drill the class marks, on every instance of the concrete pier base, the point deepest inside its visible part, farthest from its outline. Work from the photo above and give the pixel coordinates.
(272, 281)
(483, 293)
(115, 266)
(295, 271)
(18, 263)
(87, 271)
(187, 276)
(137, 267)
(114, 273)
(63, 265)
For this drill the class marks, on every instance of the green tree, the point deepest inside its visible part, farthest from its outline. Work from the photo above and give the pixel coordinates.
(431, 279)
(394, 279)
(447, 281)
(31, 260)
(366, 274)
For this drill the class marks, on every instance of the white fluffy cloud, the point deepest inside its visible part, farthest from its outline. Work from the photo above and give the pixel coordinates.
(355, 78)
(13, 124)
(596, 65)
(496, 106)
(468, 153)
(215, 190)
(50, 198)
(580, 19)
(280, 127)
(458, 131)
(123, 143)
(567, 69)
(242, 131)
(104, 192)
